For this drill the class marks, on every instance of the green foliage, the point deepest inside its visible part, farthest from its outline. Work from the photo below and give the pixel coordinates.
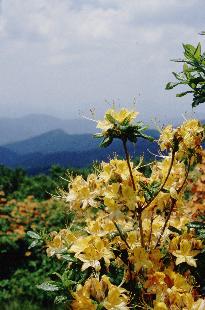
(10, 180)
(20, 269)
(15, 183)
(123, 131)
(192, 75)
(21, 286)
(26, 305)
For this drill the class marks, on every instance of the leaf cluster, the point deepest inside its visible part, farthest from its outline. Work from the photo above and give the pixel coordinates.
(192, 75)
(124, 130)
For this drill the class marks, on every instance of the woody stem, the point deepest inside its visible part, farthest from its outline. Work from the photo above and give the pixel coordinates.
(134, 188)
(128, 163)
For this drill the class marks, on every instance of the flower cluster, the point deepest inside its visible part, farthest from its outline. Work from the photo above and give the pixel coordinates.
(114, 118)
(120, 125)
(185, 139)
(130, 244)
(17, 217)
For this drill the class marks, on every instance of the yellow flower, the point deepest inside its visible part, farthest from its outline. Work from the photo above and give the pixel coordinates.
(90, 250)
(177, 280)
(156, 282)
(140, 259)
(110, 204)
(189, 136)
(55, 246)
(80, 244)
(116, 169)
(106, 294)
(120, 116)
(185, 255)
(104, 125)
(199, 304)
(166, 138)
(192, 133)
(96, 289)
(115, 300)
(82, 300)
(100, 227)
(114, 118)
(160, 305)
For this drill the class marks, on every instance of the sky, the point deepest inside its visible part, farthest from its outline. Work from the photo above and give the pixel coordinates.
(65, 57)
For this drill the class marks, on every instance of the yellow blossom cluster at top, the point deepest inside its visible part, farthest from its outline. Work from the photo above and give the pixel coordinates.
(112, 117)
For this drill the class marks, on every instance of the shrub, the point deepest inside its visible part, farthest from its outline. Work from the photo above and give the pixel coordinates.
(21, 269)
(131, 244)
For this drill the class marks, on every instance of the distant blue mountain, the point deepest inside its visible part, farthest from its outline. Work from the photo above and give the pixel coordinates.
(18, 129)
(8, 158)
(59, 141)
(26, 127)
(57, 147)
(54, 141)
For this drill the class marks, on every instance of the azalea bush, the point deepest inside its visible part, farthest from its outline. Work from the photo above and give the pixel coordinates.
(17, 217)
(130, 244)
(21, 269)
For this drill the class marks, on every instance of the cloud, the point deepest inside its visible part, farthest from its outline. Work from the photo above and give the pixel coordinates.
(76, 52)
(62, 27)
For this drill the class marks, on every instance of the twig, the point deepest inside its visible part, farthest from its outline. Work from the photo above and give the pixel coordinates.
(139, 215)
(163, 184)
(173, 201)
(128, 163)
(150, 233)
(166, 221)
(121, 234)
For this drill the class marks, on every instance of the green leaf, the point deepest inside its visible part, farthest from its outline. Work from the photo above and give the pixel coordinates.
(98, 135)
(197, 101)
(60, 299)
(174, 229)
(106, 142)
(126, 121)
(69, 258)
(184, 93)
(189, 51)
(196, 225)
(48, 286)
(33, 244)
(110, 118)
(185, 67)
(197, 52)
(171, 85)
(178, 76)
(144, 136)
(186, 71)
(33, 235)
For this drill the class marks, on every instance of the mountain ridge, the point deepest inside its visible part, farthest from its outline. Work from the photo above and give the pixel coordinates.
(18, 129)
(59, 141)
(28, 126)
(66, 150)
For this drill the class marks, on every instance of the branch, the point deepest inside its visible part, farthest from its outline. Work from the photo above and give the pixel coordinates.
(128, 163)
(173, 201)
(121, 234)
(163, 184)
